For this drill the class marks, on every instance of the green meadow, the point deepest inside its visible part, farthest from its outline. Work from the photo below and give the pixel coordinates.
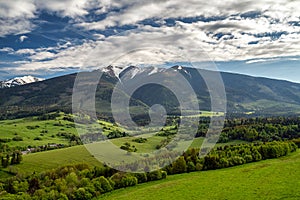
(34, 132)
(269, 179)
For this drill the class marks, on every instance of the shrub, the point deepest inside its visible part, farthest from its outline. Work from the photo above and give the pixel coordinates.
(102, 184)
(248, 158)
(163, 174)
(198, 166)
(81, 193)
(191, 166)
(179, 166)
(17, 138)
(122, 180)
(140, 140)
(154, 175)
(141, 177)
(37, 138)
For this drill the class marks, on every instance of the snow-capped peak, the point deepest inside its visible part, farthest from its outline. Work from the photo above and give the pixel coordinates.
(19, 81)
(113, 71)
(130, 72)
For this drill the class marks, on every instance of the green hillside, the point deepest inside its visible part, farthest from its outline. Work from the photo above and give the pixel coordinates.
(269, 179)
(39, 162)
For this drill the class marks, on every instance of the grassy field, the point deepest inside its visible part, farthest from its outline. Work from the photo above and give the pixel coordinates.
(34, 132)
(38, 162)
(269, 179)
(29, 129)
(41, 161)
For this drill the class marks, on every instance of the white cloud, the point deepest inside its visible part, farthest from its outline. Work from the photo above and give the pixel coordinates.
(17, 9)
(22, 38)
(16, 15)
(236, 32)
(197, 35)
(25, 51)
(70, 8)
(262, 60)
(15, 26)
(7, 49)
(42, 56)
(139, 10)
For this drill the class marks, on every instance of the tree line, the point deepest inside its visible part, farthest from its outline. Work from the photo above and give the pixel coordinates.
(265, 129)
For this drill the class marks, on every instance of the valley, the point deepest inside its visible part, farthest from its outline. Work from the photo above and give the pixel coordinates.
(149, 100)
(38, 126)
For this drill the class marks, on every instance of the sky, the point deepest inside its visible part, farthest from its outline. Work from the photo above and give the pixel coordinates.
(51, 38)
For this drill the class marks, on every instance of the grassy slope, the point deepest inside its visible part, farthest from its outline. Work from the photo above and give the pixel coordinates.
(11, 128)
(38, 162)
(269, 179)
(42, 161)
(22, 127)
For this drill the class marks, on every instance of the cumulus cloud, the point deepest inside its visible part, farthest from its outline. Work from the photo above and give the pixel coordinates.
(16, 16)
(70, 8)
(17, 8)
(139, 10)
(25, 51)
(257, 31)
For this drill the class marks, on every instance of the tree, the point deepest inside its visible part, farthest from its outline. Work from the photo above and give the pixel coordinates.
(191, 166)
(19, 157)
(179, 166)
(4, 161)
(81, 193)
(154, 175)
(102, 184)
(13, 159)
(123, 180)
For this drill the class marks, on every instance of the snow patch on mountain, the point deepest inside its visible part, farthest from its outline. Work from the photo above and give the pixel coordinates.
(19, 81)
(113, 71)
(130, 72)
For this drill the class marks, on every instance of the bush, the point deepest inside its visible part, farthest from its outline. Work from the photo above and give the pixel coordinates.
(122, 180)
(179, 166)
(198, 167)
(248, 158)
(191, 166)
(81, 193)
(140, 140)
(154, 175)
(17, 138)
(163, 174)
(104, 185)
(141, 177)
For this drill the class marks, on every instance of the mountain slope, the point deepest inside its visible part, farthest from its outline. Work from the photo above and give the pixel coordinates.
(244, 93)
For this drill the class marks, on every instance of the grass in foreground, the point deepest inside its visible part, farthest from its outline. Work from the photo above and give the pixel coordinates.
(269, 179)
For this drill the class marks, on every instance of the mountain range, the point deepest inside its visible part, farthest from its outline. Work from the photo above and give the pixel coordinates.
(246, 95)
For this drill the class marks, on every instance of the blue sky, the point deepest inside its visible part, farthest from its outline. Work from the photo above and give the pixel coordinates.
(51, 38)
